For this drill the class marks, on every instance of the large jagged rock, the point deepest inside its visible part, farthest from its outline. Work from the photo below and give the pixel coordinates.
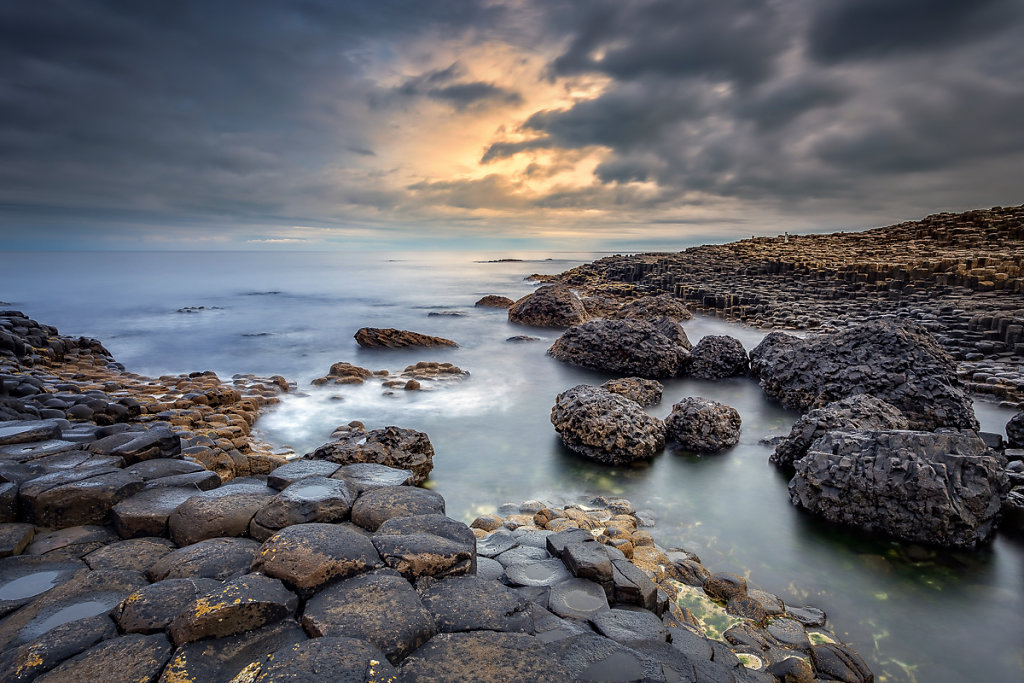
(717, 357)
(606, 427)
(702, 425)
(390, 338)
(548, 306)
(627, 347)
(653, 308)
(404, 449)
(855, 413)
(896, 361)
(941, 488)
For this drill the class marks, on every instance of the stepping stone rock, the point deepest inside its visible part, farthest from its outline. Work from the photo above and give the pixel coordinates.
(630, 626)
(344, 660)
(137, 554)
(36, 450)
(538, 573)
(489, 569)
(15, 537)
(378, 506)
(313, 499)
(725, 585)
(242, 604)
(496, 543)
(588, 560)
(146, 513)
(226, 511)
(577, 599)
(523, 554)
(471, 603)
(158, 468)
(295, 470)
(379, 607)
(128, 658)
(222, 659)
(309, 556)
(152, 608)
(416, 555)
(158, 442)
(556, 542)
(590, 657)
(16, 431)
(24, 578)
(215, 558)
(633, 586)
(73, 498)
(73, 542)
(840, 663)
(26, 662)
(483, 657)
(86, 594)
(394, 447)
(367, 476)
(201, 481)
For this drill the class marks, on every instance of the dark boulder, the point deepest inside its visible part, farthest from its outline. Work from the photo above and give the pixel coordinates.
(548, 306)
(941, 488)
(152, 608)
(132, 657)
(626, 347)
(309, 556)
(897, 361)
(215, 558)
(717, 357)
(494, 301)
(606, 427)
(390, 338)
(222, 659)
(242, 604)
(654, 307)
(1015, 431)
(854, 413)
(471, 603)
(343, 660)
(226, 511)
(27, 662)
(375, 507)
(702, 425)
(296, 470)
(483, 657)
(314, 499)
(404, 449)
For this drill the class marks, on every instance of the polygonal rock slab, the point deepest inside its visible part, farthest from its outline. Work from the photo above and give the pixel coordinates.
(152, 608)
(309, 556)
(225, 511)
(483, 657)
(25, 577)
(630, 626)
(243, 604)
(158, 468)
(367, 476)
(73, 498)
(146, 513)
(137, 554)
(222, 659)
(28, 661)
(345, 660)
(373, 508)
(312, 499)
(538, 573)
(416, 555)
(72, 542)
(471, 603)
(15, 537)
(215, 558)
(128, 658)
(577, 599)
(379, 607)
(22, 431)
(296, 470)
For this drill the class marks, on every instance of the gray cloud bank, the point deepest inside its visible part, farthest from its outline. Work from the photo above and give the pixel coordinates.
(228, 119)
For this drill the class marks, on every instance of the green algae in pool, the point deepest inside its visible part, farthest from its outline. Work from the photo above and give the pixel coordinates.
(713, 618)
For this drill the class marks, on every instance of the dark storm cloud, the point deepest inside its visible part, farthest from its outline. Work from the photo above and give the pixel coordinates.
(447, 86)
(854, 29)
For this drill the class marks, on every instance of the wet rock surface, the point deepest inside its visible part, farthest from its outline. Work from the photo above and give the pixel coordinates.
(390, 338)
(605, 426)
(717, 357)
(404, 449)
(628, 347)
(646, 392)
(940, 488)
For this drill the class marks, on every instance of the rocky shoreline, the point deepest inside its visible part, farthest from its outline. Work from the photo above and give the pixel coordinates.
(146, 535)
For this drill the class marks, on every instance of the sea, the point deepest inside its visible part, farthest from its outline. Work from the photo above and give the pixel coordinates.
(915, 613)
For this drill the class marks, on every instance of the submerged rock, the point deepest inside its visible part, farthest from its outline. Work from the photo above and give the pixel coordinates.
(941, 488)
(702, 425)
(494, 301)
(548, 306)
(390, 338)
(855, 413)
(629, 347)
(404, 449)
(896, 361)
(606, 427)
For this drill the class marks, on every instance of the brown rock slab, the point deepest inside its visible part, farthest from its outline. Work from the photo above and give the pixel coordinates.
(378, 506)
(343, 660)
(471, 603)
(309, 556)
(390, 338)
(458, 658)
(367, 476)
(137, 554)
(146, 513)
(152, 608)
(215, 558)
(222, 659)
(221, 512)
(242, 604)
(128, 659)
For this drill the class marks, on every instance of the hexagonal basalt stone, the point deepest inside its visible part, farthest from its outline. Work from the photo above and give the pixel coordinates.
(128, 658)
(313, 499)
(470, 603)
(158, 468)
(27, 662)
(378, 506)
(577, 599)
(23, 578)
(15, 537)
(367, 476)
(296, 470)
(215, 558)
(225, 511)
(146, 513)
(137, 554)
(72, 542)
(23, 431)
(379, 607)
(483, 657)
(590, 657)
(630, 626)
(538, 573)
(202, 481)
(224, 659)
(76, 497)
(309, 556)
(245, 603)
(344, 660)
(416, 555)
(152, 608)
(725, 585)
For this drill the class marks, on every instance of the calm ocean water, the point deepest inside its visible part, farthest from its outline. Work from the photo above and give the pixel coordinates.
(914, 613)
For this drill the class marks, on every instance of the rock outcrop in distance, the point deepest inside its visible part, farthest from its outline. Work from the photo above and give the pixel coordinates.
(390, 338)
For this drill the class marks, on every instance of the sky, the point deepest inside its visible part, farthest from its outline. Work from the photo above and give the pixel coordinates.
(499, 124)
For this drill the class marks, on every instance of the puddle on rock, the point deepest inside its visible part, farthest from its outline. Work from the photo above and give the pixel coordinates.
(73, 612)
(617, 667)
(714, 620)
(30, 585)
